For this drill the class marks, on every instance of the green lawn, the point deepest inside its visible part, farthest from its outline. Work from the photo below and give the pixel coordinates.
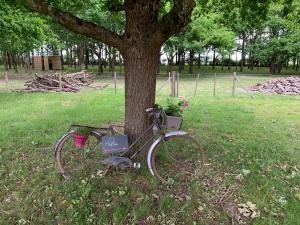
(252, 146)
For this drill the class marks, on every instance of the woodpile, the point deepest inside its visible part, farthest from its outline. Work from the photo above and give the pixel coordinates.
(55, 83)
(286, 86)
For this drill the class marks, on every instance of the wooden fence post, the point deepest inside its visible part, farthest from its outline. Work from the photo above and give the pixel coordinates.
(173, 85)
(177, 84)
(196, 87)
(233, 83)
(215, 82)
(6, 80)
(60, 86)
(115, 81)
(171, 82)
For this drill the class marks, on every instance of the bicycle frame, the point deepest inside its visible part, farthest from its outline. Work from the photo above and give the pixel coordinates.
(145, 143)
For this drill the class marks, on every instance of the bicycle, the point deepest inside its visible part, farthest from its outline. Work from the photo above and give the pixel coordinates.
(172, 155)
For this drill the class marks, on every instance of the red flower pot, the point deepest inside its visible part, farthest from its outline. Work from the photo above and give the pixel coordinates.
(80, 140)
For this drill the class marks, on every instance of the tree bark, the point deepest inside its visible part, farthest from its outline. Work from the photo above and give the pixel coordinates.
(180, 60)
(98, 52)
(214, 59)
(5, 60)
(87, 58)
(199, 60)
(141, 66)
(191, 61)
(170, 62)
(206, 58)
(222, 61)
(81, 57)
(273, 64)
(15, 62)
(9, 60)
(61, 58)
(243, 52)
(28, 62)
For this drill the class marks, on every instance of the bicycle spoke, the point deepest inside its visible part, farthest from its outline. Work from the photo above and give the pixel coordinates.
(79, 162)
(179, 160)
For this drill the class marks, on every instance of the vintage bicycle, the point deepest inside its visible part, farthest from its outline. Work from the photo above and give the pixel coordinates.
(173, 156)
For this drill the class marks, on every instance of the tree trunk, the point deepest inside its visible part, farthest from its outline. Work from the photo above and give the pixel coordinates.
(170, 63)
(5, 60)
(100, 61)
(191, 61)
(222, 61)
(243, 52)
(180, 60)
(62, 58)
(105, 57)
(236, 59)
(141, 65)
(199, 60)
(273, 64)
(28, 62)
(214, 59)
(9, 60)
(71, 57)
(229, 61)
(87, 58)
(81, 57)
(176, 56)
(15, 62)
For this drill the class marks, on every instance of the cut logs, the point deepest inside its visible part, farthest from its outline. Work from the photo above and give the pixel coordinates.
(52, 83)
(286, 86)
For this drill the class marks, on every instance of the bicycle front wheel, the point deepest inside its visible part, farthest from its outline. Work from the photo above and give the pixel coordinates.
(79, 162)
(177, 159)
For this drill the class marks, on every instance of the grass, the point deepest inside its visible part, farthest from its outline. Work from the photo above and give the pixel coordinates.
(252, 150)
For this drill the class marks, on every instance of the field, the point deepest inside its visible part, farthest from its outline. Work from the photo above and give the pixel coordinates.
(252, 144)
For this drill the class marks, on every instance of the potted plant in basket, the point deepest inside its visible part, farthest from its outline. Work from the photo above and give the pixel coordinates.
(174, 111)
(81, 135)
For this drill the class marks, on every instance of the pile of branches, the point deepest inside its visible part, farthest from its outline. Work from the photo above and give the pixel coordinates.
(52, 83)
(286, 86)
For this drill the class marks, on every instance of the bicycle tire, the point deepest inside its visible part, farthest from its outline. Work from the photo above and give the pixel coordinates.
(181, 162)
(90, 156)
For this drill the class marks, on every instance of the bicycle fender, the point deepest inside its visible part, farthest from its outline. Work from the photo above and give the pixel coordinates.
(155, 143)
(60, 140)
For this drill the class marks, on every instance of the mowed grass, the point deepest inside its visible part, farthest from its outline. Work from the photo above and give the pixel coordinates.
(252, 149)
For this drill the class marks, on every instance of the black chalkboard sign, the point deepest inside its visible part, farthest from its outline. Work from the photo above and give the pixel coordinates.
(114, 144)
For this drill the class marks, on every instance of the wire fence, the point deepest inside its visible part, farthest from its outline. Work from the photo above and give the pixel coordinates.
(171, 84)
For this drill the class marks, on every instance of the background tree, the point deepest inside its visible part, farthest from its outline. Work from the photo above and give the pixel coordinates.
(20, 33)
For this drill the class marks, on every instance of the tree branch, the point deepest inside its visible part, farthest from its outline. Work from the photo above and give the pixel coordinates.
(76, 24)
(174, 21)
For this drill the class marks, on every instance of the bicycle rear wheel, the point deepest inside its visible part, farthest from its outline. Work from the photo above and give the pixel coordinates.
(177, 159)
(74, 162)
